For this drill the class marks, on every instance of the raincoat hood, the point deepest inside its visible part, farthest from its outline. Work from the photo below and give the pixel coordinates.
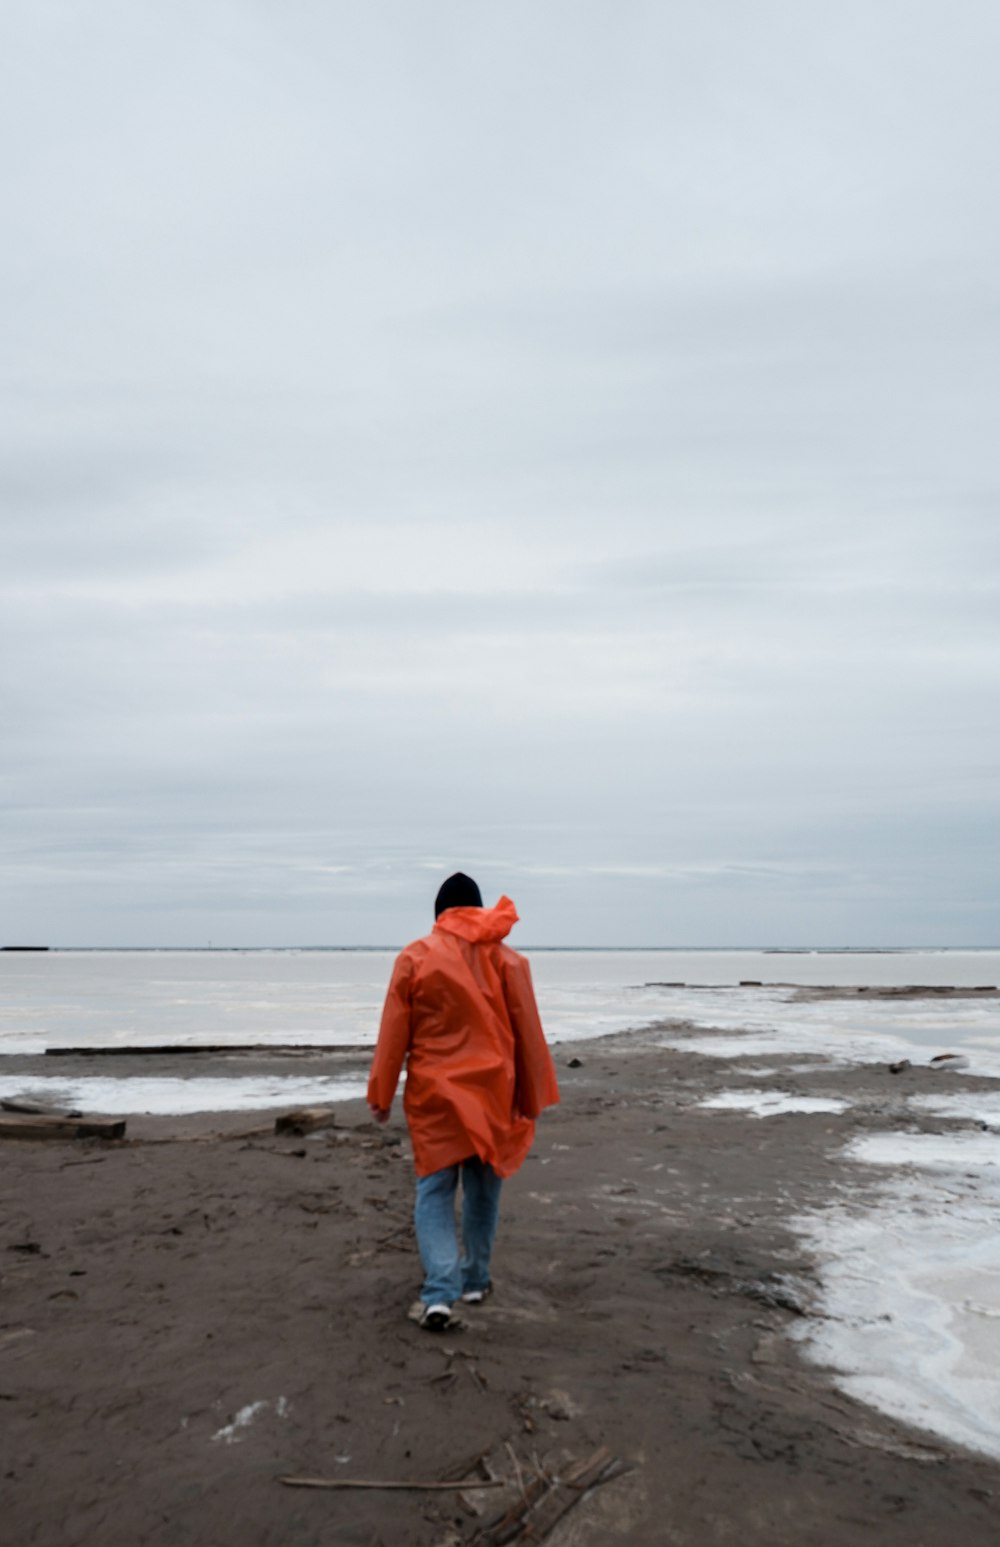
(478, 923)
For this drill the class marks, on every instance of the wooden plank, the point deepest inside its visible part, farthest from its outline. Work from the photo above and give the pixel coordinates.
(305, 1120)
(45, 1127)
(35, 1109)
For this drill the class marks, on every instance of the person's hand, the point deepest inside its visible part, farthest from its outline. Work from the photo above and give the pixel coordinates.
(380, 1114)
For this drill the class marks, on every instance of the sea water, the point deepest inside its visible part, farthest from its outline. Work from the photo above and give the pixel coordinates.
(910, 1268)
(128, 999)
(136, 998)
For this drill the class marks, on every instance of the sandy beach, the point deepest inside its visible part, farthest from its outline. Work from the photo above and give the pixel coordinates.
(200, 1310)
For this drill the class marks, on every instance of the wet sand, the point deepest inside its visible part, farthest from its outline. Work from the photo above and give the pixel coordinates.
(189, 1315)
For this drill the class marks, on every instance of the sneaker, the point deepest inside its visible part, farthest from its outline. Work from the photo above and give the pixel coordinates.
(476, 1296)
(436, 1318)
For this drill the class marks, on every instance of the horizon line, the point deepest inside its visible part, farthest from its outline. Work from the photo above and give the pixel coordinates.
(784, 950)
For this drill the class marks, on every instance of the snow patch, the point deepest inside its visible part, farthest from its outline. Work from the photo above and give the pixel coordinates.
(911, 1285)
(772, 1103)
(245, 1417)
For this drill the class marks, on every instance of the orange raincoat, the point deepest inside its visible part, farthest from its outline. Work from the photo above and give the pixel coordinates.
(461, 1010)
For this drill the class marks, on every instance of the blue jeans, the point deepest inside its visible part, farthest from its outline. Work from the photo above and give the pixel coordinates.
(448, 1275)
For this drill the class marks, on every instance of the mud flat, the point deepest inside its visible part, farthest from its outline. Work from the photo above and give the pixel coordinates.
(194, 1313)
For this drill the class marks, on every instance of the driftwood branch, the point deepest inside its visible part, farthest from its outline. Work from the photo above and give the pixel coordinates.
(542, 1502)
(358, 1482)
(546, 1500)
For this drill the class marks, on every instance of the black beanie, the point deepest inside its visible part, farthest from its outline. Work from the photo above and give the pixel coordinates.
(459, 891)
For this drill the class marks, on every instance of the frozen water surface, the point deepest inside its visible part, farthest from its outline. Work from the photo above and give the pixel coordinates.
(771, 1103)
(911, 1285)
(172, 1097)
(980, 1106)
(145, 997)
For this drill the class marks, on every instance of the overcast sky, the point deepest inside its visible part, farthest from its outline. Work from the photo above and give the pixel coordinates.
(555, 440)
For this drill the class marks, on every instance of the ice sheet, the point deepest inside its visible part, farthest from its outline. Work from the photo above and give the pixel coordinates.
(843, 1032)
(949, 1152)
(177, 1097)
(772, 1103)
(911, 1285)
(976, 1106)
(790, 1039)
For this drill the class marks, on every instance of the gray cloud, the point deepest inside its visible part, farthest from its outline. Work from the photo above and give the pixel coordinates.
(557, 442)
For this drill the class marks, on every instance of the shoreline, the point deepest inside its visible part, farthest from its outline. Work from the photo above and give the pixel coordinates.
(204, 1312)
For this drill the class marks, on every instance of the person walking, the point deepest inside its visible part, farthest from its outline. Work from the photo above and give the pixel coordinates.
(460, 1010)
